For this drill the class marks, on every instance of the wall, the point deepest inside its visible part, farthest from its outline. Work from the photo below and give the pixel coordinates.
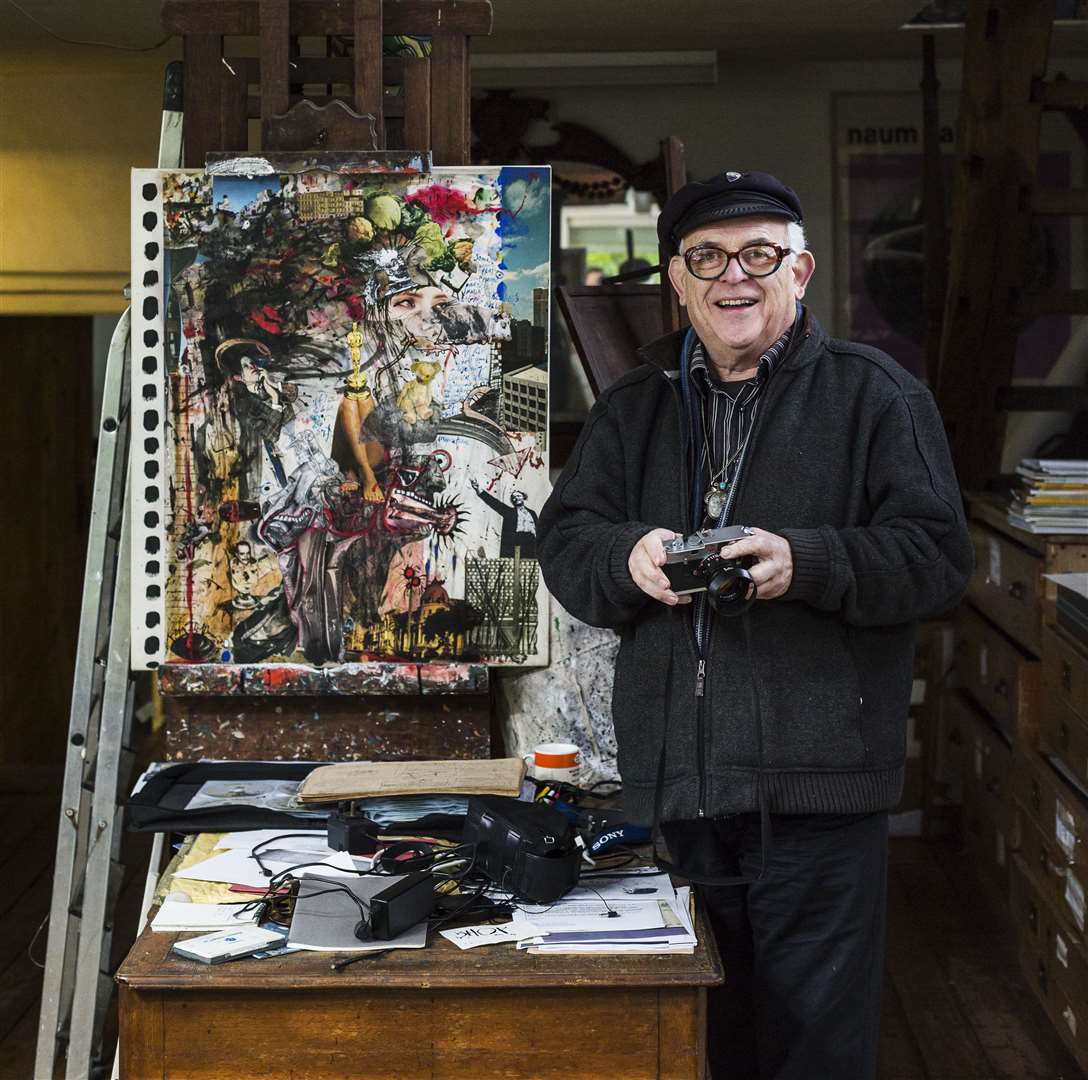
(72, 122)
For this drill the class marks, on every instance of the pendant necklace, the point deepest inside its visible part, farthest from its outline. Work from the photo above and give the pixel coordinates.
(717, 491)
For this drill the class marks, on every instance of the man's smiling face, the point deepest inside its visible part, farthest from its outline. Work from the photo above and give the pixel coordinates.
(738, 317)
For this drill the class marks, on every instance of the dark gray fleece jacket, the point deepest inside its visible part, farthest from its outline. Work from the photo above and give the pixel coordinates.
(806, 696)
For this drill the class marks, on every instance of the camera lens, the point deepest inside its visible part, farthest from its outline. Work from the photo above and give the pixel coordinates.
(731, 590)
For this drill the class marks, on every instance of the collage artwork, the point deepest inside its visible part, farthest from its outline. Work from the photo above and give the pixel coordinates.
(355, 415)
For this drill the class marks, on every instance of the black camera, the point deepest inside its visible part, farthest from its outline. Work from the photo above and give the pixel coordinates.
(696, 563)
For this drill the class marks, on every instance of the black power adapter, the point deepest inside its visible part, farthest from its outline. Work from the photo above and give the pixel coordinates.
(401, 905)
(352, 832)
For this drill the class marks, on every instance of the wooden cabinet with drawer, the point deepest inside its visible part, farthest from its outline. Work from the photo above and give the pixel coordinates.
(1063, 732)
(1041, 858)
(1053, 962)
(1063, 718)
(1008, 583)
(998, 674)
(987, 818)
(1060, 813)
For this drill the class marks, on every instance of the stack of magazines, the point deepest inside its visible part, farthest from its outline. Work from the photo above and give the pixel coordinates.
(1052, 496)
(623, 912)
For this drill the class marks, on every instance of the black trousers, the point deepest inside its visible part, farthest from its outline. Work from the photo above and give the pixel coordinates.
(803, 947)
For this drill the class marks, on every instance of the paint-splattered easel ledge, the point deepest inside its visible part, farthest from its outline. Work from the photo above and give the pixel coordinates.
(339, 680)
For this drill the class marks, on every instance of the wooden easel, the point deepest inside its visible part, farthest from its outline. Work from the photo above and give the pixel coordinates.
(367, 101)
(431, 111)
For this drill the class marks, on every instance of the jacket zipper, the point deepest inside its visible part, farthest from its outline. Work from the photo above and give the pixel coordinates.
(734, 492)
(699, 633)
(694, 635)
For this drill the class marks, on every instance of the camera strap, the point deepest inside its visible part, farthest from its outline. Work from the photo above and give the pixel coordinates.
(766, 836)
(694, 415)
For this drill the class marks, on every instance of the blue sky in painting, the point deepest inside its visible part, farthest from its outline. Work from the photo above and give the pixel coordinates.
(525, 231)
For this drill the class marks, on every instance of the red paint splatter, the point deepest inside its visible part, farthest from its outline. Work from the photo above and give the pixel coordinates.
(267, 318)
(443, 204)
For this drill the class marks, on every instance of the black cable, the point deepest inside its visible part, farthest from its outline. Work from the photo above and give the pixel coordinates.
(271, 840)
(374, 871)
(334, 887)
(434, 924)
(612, 912)
(72, 41)
(339, 965)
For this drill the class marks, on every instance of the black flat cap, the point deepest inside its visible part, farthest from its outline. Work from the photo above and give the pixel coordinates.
(726, 195)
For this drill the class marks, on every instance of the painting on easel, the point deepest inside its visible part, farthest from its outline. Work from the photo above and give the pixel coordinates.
(352, 448)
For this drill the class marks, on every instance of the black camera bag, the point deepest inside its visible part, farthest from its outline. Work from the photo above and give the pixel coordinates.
(526, 848)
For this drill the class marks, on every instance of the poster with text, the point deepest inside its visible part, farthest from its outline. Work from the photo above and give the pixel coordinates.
(879, 230)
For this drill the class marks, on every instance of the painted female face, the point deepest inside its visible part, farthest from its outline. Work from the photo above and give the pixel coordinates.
(416, 310)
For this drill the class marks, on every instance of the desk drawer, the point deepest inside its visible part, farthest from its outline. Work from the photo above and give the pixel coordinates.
(987, 818)
(1000, 676)
(1060, 859)
(1062, 732)
(1065, 670)
(1027, 916)
(1007, 585)
(1052, 960)
(1041, 859)
(954, 714)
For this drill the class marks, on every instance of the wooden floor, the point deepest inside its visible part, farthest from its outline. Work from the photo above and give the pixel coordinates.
(955, 1006)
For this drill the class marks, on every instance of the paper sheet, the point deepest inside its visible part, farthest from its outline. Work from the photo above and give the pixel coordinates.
(325, 919)
(472, 937)
(174, 916)
(586, 915)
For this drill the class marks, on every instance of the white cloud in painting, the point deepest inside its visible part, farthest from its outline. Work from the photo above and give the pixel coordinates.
(539, 271)
(524, 198)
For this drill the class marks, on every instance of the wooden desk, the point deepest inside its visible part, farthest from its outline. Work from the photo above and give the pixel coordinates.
(436, 1012)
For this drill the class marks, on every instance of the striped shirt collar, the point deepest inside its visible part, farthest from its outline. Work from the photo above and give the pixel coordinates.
(765, 368)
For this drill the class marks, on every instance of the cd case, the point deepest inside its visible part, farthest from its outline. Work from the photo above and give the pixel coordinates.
(227, 944)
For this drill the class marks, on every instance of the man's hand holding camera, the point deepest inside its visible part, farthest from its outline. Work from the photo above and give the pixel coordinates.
(771, 572)
(645, 562)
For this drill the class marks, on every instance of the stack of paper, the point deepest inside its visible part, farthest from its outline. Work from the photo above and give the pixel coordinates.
(234, 863)
(640, 913)
(174, 916)
(220, 873)
(1052, 496)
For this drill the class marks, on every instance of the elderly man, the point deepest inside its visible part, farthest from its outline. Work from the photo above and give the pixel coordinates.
(770, 746)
